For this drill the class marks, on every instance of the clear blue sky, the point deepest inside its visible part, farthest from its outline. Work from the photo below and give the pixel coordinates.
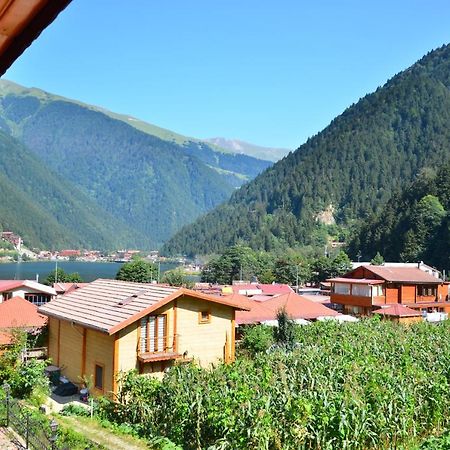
(269, 72)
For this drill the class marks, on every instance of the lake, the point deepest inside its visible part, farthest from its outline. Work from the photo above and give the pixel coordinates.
(88, 271)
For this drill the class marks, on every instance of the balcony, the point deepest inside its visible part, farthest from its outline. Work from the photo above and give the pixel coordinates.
(158, 349)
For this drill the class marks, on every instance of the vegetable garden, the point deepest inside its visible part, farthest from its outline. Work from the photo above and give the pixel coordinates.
(372, 384)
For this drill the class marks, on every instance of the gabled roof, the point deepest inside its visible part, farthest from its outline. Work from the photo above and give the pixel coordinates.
(9, 285)
(260, 288)
(20, 313)
(398, 310)
(21, 22)
(355, 280)
(296, 306)
(399, 274)
(111, 305)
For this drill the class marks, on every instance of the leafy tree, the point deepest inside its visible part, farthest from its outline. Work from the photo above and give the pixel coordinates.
(257, 339)
(377, 260)
(60, 276)
(285, 332)
(287, 270)
(138, 270)
(177, 277)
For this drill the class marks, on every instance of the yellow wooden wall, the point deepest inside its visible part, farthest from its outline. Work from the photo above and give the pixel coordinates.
(100, 350)
(204, 342)
(70, 352)
(128, 347)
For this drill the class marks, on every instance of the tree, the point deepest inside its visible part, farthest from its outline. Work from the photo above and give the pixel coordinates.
(285, 332)
(61, 276)
(177, 277)
(377, 260)
(138, 270)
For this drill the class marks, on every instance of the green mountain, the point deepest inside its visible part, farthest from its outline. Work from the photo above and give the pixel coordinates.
(349, 169)
(50, 212)
(414, 225)
(257, 151)
(154, 185)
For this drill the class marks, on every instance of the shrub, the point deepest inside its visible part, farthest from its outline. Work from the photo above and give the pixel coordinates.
(257, 339)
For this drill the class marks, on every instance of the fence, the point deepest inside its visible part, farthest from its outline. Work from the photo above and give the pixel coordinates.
(29, 428)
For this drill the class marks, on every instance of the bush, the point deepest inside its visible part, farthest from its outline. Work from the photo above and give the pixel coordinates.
(257, 339)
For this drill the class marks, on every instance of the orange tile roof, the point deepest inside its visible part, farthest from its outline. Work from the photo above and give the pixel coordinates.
(296, 306)
(110, 305)
(401, 274)
(398, 310)
(20, 313)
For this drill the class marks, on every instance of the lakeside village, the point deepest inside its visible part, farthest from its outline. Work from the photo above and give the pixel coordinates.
(12, 249)
(133, 353)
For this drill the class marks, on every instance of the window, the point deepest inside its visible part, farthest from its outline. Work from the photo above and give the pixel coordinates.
(98, 382)
(341, 288)
(426, 290)
(204, 317)
(37, 299)
(361, 290)
(153, 334)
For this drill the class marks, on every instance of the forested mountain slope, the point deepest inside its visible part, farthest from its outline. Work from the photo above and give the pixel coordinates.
(49, 212)
(152, 184)
(413, 226)
(354, 165)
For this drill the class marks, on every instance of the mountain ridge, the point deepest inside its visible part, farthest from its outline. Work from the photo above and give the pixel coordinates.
(354, 165)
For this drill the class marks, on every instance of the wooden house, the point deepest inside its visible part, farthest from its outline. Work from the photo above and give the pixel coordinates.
(370, 287)
(111, 326)
(399, 313)
(30, 290)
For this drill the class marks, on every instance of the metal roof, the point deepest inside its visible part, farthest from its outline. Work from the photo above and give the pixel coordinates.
(110, 305)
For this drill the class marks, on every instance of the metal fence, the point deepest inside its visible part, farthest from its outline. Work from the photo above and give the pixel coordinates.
(36, 434)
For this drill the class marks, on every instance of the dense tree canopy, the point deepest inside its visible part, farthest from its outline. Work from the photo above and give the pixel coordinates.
(138, 270)
(349, 169)
(413, 226)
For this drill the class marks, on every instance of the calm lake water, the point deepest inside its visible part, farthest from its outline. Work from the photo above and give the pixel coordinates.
(88, 271)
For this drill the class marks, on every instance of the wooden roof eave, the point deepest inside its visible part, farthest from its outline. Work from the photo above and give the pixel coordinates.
(177, 294)
(40, 16)
(76, 322)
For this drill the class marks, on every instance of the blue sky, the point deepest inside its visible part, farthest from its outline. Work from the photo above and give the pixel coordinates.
(269, 72)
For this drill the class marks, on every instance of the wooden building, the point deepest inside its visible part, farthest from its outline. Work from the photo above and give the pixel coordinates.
(399, 313)
(111, 326)
(30, 290)
(370, 287)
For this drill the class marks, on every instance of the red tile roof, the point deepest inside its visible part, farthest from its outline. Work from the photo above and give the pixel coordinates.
(398, 310)
(20, 313)
(8, 285)
(355, 280)
(110, 305)
(296, 306)
(266, 289)
(401, 274)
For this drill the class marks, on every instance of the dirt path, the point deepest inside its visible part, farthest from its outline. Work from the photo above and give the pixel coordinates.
(95, 432)
(5, 441)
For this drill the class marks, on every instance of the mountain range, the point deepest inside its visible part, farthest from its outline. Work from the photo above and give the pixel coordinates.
(346, 172)
(141, 182)
(237, 146)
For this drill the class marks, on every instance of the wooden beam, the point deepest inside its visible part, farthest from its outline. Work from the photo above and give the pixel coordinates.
(233, 337)
(175, 340)
(83, 353)
(115, 370)
(30, 31)
(59, 342)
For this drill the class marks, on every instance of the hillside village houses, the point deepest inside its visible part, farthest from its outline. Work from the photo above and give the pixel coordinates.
(368, 287)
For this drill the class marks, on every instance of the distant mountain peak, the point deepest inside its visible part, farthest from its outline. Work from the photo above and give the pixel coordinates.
(257, 151)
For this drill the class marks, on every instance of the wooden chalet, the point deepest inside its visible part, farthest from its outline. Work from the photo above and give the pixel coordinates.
(370, 287)
(111, 326)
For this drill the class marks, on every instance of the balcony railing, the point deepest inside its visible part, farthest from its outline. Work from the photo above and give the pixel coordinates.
(154, 344)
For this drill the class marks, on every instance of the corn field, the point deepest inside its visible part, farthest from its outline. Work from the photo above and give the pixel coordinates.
(372, 384)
